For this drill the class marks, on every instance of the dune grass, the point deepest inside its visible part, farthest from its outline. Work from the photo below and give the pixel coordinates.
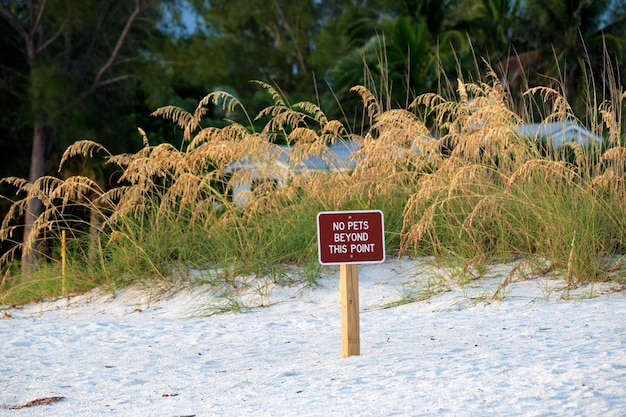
(486, 195)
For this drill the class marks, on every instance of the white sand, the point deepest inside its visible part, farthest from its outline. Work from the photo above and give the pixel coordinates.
(459, 353)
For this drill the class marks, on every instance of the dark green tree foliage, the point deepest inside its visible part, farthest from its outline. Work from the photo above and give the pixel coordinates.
(413, 46)
(12, 116)
(291, 44)
(399, 48)
(75, 66)
(492, 24)
(571, 38)
(574, 45)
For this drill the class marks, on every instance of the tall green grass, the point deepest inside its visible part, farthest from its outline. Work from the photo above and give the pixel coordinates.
(486, 195)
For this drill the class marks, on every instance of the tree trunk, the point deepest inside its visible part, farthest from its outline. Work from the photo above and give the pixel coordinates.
(42, 136)
(95, 223)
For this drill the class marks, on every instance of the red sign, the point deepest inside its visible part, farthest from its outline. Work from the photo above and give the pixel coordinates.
(350, 237)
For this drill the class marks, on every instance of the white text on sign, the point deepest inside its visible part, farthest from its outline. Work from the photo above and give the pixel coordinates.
(351, 234)
(350, 237)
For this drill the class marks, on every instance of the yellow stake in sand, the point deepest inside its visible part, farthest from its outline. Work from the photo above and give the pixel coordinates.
(63, 263)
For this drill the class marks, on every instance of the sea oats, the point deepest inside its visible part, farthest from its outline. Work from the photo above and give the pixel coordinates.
(333, 130)
(276, 95)
(537, 166)
(413, 233)
(370, 102)
(617, 154)
(484, 208)
(450, 171)
(579, 152)
(609, 118)
(206, 135)
(75, 189)
(180, 116)
(561, 109)
(184, 192)
(85, 148)
(313, 110)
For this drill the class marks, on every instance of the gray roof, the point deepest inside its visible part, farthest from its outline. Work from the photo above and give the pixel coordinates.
(557, 133)
(336, 158)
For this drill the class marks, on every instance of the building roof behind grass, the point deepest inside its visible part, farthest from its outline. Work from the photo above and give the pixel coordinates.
(557, 133)
(335, 158)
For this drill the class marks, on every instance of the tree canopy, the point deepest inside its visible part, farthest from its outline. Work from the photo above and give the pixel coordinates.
(74, 70)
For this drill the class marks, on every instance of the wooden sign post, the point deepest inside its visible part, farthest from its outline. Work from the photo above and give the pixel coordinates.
(348, 239)
(350, 322)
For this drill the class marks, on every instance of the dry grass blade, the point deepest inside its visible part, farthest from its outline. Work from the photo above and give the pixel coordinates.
(130, 200)
(144, 137)
(76, 189)
(333, 131)
(414, 232)
(372, 106)
(579, 152)
(610, 119)
(313, 110)
(397, 142)
(15, 211)
(465, 177)
(277, 97)
(225, 100)
(283, 119)
(180, 116)
(506, 281)
(617, 153)
(303, 135)
(399, 119)
(610, 181)
(158, 161)
(429, 100)
(485, 206)
(19, 183)
(38, 402)
(85, 148)
(206, 135)
(462, 90)
(561, 109)
(186, 191)
(533, 167)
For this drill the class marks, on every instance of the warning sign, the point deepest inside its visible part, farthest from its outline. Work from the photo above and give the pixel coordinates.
(350, 237)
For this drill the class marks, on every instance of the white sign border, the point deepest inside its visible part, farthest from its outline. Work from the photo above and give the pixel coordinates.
(319, 243)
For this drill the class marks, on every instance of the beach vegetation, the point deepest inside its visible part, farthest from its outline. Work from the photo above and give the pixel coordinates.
(452, 174)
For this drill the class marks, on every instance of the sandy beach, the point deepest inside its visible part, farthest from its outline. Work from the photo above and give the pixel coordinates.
(458, 349)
